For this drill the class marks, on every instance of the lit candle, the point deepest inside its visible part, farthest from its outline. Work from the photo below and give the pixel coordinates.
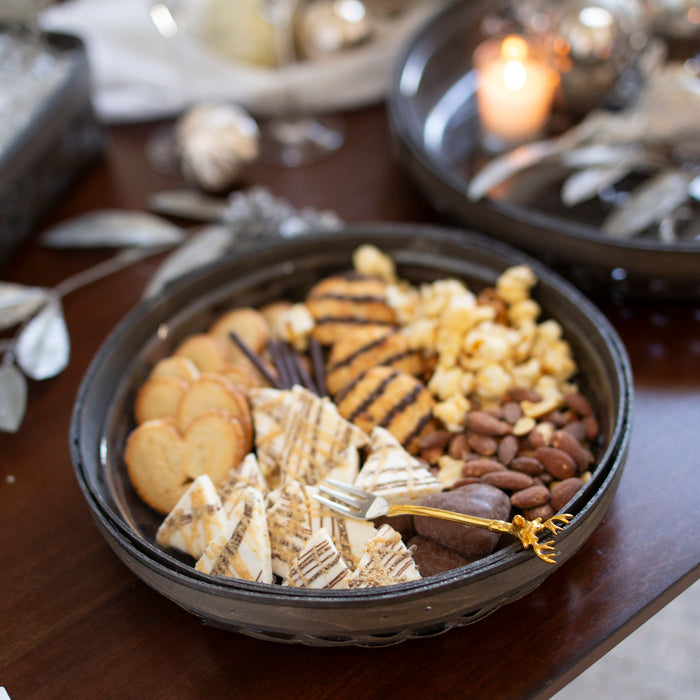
(515, 89)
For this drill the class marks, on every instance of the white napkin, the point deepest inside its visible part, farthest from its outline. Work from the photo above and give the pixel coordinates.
(138, 76)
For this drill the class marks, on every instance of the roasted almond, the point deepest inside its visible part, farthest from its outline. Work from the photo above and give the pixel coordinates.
(563, 491)
(557, 462)
(567, 442)
(528, 465)
(488, 424)
(531, 497)
(479, 467)
(507, 449)
(508, 480)
(579, 403)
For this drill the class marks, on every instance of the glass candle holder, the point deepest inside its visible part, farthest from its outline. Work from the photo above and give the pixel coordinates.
(515, 90)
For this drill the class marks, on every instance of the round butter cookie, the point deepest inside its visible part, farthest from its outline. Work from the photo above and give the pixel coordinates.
(159, 397)
(207, 352)
(153, 457)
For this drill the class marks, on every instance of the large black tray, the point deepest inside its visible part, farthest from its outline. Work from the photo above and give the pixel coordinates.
(102, 420)
(434, 120)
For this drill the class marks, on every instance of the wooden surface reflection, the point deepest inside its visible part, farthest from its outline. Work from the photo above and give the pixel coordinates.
(76, 623)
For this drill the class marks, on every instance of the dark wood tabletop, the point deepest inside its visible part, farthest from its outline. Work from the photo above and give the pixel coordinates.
(76, 623)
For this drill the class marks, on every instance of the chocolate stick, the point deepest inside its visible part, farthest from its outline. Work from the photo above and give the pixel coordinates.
(259, 365)
(318, 366)
(278, 357)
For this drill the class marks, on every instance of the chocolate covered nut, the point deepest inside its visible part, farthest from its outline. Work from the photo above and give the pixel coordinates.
(432, 558)
(563, 491)
(483, 422)
(508, 480)
(481, 500)
(507, 449)
(526, 464)
(479, 467)
(531, 497)
(557, 462)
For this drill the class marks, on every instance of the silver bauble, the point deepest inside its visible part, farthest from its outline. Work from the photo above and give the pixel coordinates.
(325, 27)
(215, 142)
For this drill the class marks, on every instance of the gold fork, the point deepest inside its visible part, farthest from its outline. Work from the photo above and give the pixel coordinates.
(363, 505)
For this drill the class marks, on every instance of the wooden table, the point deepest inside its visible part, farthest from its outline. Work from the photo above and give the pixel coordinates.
(76, 623)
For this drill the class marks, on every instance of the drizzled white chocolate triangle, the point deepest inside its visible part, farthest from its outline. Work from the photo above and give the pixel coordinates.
(348, 534)
(232, 489)
(289, 524)
(197, 518)
(242, 548)
(318, 565)
(386, 561)
(301, 433)
(391, 472)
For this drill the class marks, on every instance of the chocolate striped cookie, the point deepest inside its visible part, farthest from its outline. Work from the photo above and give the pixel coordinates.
(343, 303)
(355, 353)
(392, 399)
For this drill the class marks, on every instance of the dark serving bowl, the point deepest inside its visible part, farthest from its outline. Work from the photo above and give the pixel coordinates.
(434, 121)
(102, 419)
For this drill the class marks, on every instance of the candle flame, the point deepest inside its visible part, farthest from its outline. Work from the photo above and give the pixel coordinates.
(514, 75)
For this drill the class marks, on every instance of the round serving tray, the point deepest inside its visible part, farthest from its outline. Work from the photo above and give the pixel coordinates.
(286, 268)
(434, 120)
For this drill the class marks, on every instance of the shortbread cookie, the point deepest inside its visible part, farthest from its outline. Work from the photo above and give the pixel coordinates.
(159, 397)
(214, 444)
(208, 353)
(392, 399)
(153, 457)
(248, 324)
(176, 366)
(212, 392)
(343, 303)
(196, 519)
(355, 353)
(242, 375)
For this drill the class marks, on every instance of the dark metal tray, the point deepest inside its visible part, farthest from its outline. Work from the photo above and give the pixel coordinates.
(433, 116)
(287, 268)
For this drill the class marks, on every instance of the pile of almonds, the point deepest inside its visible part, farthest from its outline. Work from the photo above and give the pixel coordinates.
(539, 462)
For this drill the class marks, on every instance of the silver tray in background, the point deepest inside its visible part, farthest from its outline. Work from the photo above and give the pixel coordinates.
(433, 116)
(49, 150)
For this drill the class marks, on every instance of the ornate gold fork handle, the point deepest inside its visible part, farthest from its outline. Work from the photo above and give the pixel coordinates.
(527, 531)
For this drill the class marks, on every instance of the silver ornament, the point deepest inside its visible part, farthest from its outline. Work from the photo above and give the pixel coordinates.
(215, 142)
(328, 26)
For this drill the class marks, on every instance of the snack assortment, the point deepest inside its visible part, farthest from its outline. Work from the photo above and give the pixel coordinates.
(429, 394)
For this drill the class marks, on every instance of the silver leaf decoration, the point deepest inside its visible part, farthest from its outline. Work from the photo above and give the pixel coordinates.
(648, 203)
(43, 346)
(113, 228)
(18, 303)
(13, 398)
(203, 247)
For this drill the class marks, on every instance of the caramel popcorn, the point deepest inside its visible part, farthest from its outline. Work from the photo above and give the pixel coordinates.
(294, 326)
(369, 260)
